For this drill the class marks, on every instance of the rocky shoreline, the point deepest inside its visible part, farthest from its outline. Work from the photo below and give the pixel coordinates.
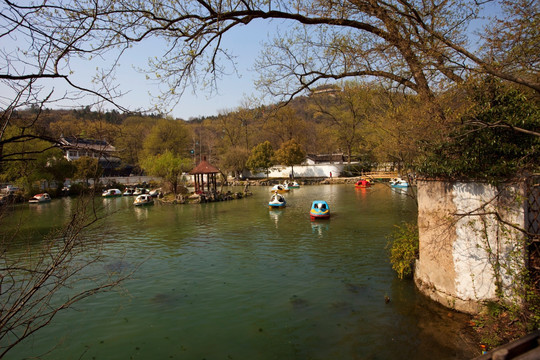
(301, 181)
(192, 198)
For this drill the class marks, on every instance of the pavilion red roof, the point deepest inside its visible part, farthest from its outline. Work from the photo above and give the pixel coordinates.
(204, 167)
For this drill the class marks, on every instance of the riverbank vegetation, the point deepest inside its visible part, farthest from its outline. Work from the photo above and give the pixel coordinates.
(403, 248)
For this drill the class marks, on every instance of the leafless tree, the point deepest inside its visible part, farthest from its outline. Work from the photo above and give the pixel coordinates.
(412, 44)
(35, 60)
(39, 279)
(418, 46)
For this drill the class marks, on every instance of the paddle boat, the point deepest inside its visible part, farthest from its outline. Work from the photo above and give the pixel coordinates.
(144, 199)
(111, 193)
(362, 184)
(293, 185)
(319, 210)
(399, 183)
(129, 192)
(40, 198)
(279, 188)
(277, 201)
(155, 192)
(140, 191)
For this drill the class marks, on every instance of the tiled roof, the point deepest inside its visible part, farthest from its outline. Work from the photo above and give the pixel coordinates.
(326, 157)
(73, 142)
(204, 168)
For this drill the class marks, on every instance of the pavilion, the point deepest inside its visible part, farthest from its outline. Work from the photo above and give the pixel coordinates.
(205, 168)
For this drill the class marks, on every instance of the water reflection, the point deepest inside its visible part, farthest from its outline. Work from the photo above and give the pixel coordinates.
(320, 227)
(141, 212)
(40, 208)
(361, 193)
(400, 191)
(275, 214)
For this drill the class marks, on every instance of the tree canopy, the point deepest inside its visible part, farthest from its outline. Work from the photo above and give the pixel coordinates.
(410, 47)
(87, 168)
(486, 144)
(169, 166)
(261, 157)
(290, 154)
(167, 135)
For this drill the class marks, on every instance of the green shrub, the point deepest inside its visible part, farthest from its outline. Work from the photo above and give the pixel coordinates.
(403, 247)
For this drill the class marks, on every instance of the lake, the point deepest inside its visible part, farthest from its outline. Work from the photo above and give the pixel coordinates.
(236, 280)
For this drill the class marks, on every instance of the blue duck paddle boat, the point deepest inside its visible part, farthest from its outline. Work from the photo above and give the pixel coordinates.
(319, 210)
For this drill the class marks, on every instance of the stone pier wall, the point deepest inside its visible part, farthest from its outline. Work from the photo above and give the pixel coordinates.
(471, 250)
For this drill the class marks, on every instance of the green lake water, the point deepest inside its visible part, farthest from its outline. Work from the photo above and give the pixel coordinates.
(235, 280)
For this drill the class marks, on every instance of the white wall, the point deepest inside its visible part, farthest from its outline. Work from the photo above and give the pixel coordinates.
(465, 250)
(304, 171)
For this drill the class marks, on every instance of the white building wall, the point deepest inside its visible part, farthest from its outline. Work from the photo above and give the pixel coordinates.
(303, 171)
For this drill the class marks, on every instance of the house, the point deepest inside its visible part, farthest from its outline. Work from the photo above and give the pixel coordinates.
(314, 159)
(75, 148)
(330, 90)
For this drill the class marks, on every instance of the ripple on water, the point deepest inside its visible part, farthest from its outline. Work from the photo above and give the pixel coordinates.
(258, 284)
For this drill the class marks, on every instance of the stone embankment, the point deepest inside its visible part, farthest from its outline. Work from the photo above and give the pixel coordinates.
(203, 197)
(310, 181)
(192, 198)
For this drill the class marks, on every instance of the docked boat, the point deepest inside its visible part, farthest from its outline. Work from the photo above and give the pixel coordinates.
(144, 199)
(362, 184)
(319, 210)
(40, 198)
(155, 192)
(129, 192)
(140, 191)
(279, 188)
(277, 201)
(399, 183)
(111, 193)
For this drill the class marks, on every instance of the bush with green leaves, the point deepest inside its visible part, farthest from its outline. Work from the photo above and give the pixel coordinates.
(403, 246)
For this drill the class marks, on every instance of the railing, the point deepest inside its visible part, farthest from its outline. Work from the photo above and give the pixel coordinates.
(380, 174)
(533, 229)
(524, 349)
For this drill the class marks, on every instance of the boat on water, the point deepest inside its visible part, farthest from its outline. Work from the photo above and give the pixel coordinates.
(399, 183)
(140, 191)
(319, 210)
(277, 201)
(111, 193)
(143, 199)
(293, 185)
(40, 198)
(129, 192)
(362, 184)
(280, 188)
(155, 192)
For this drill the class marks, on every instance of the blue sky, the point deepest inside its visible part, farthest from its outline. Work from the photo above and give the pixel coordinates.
(245, 43)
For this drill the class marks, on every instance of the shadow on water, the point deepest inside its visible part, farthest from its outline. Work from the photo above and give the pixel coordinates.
(440, 331)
